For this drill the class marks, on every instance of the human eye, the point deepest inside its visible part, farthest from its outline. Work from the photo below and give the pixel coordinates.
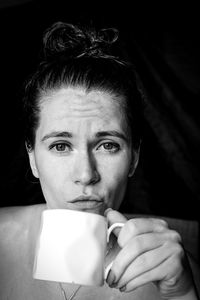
(110, 147)
(60, 147)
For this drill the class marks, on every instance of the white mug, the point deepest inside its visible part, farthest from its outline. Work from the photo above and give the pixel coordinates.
(72, 246)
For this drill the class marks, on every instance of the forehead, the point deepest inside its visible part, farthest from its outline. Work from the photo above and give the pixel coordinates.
(74, 104)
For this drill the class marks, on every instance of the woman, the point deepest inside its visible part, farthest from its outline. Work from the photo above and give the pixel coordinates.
(83, 130)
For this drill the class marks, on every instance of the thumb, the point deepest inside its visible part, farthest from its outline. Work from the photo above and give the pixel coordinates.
(113, 216)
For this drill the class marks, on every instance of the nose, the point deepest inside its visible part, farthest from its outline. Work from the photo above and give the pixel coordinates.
(85, 169)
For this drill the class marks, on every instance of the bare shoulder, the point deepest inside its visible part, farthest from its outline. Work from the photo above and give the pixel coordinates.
(16, 221)
(17, 245)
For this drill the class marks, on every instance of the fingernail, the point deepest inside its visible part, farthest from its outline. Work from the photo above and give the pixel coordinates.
(106, 211)
(111, 278)
(123, 288)
(114, 285)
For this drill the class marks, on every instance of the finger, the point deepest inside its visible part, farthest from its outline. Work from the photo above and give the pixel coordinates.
(167, 272)
(168, 241)
(143, 263)
(144, 278)
(152, 259)
(138, 226)
(137, 246)
(114, 216)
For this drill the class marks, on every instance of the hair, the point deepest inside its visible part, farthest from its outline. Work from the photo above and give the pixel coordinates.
(77, 56)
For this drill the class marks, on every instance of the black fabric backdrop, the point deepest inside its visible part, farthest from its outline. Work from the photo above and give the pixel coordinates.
(164, 44)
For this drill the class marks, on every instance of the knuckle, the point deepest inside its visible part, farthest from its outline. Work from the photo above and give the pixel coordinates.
(175, 236)
(178, 251)
(132, 226)
(163, 223)
(160, 224)
(172, 281)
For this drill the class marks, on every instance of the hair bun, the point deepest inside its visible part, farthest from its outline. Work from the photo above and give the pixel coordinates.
(74, 41)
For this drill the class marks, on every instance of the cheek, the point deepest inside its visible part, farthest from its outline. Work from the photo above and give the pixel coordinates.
(116, 189)
(117, 168)
(119, 180)
(116, 176)
(51, 181)
(50, 172)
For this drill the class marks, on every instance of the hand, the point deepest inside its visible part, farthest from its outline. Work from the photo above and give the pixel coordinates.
(150, 252)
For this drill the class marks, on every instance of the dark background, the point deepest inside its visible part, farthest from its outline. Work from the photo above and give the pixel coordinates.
(164, 43)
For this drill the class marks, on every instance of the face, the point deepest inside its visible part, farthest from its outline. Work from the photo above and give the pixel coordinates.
(82, 154)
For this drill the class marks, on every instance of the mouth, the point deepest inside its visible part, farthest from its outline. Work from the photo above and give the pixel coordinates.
(86, 203)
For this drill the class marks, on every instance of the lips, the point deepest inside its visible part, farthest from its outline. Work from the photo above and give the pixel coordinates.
(86, 203)
(86, 198)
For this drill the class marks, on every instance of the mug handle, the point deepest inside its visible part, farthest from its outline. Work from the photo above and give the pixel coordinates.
(110, 229)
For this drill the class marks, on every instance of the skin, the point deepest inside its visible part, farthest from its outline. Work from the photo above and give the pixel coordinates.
(91, 161)
(150, 252)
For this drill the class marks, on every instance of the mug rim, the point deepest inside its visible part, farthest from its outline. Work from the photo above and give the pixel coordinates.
(63, 210)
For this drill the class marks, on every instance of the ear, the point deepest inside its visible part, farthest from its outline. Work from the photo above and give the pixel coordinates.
(31, 155)
(134, 162)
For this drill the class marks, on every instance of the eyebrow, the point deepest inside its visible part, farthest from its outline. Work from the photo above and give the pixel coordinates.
(112, 133)
(100, 134)
(54, 134)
